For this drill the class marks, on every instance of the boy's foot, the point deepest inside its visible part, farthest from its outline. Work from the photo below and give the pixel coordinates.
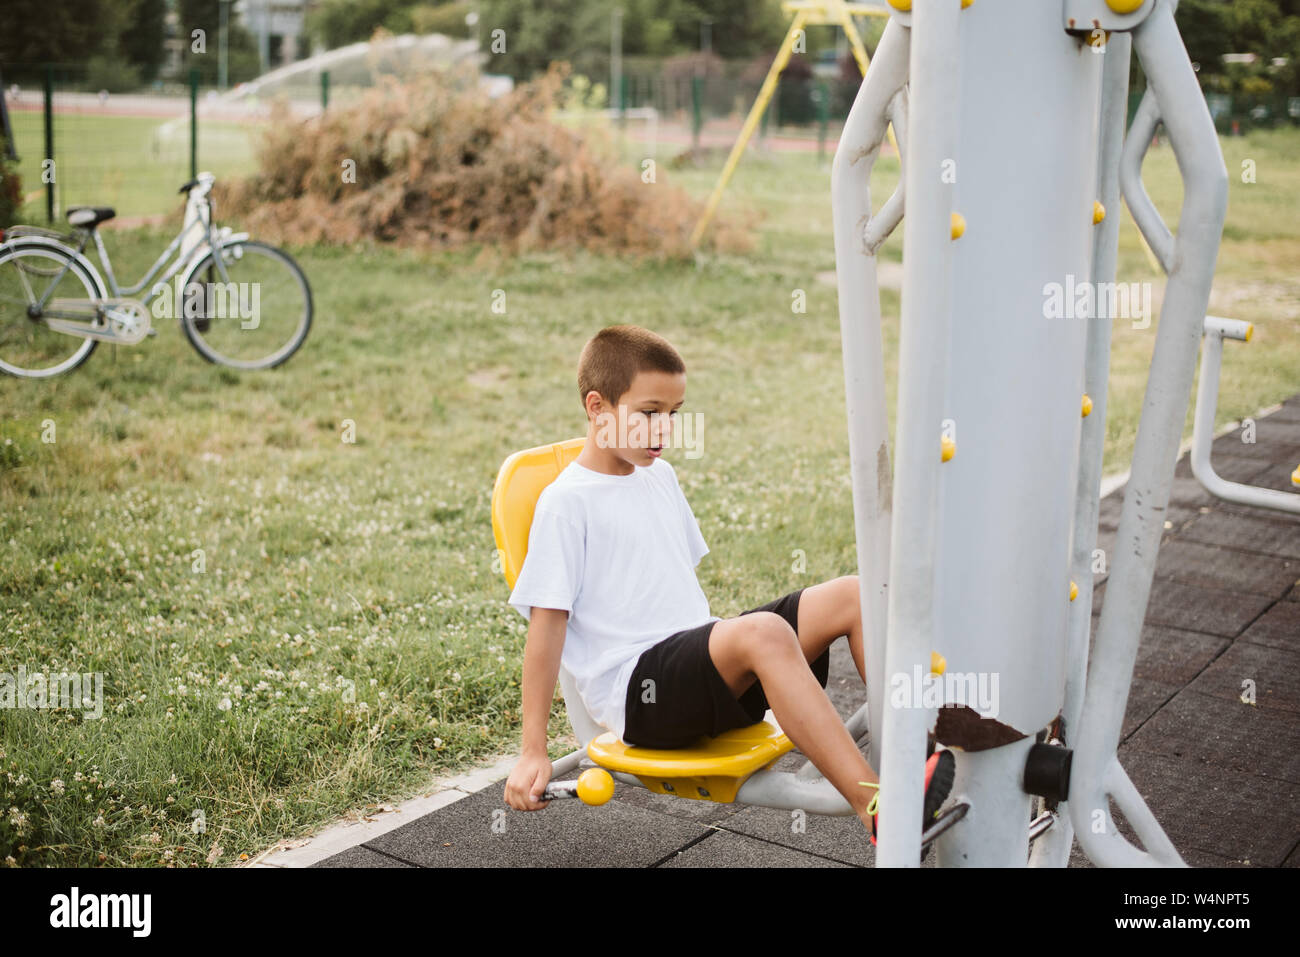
(940, 770)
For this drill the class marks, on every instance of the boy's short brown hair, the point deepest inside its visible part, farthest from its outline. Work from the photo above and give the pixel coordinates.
(612, 357)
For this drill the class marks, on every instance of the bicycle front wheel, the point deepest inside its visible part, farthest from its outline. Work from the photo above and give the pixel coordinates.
(28, 347)
(254, 318)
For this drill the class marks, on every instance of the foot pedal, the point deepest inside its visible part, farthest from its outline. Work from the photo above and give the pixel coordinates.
(944, 822)
(1040, 825)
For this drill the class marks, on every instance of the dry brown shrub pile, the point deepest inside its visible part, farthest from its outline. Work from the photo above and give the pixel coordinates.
(440, 163)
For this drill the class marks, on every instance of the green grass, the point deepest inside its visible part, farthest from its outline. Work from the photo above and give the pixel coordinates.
(345, 636)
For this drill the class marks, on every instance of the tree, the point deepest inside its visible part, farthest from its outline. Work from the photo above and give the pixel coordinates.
(537, 32)
(1204, 26)
(37, 31)
(243, 62)
(141, 37)
(738, 30)
(121, 38)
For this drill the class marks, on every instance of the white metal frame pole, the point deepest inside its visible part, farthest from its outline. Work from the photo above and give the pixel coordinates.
(864, 363)
(923, 364)
(1190, 261)
(1053, 848)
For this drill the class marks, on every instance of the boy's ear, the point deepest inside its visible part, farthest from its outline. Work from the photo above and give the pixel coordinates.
(599, 402)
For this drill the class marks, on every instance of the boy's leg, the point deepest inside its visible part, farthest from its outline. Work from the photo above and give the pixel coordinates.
(826, 612)
(761, 646)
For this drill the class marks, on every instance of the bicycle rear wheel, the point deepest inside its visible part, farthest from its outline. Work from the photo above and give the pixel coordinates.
(257, 317)
(28, 347)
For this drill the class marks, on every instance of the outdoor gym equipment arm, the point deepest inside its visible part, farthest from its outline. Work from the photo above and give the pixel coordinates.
(1207, 399)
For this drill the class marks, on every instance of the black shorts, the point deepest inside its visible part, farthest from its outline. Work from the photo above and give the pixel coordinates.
(690, 696)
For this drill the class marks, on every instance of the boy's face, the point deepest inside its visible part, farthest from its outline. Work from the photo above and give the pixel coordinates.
(648, 407)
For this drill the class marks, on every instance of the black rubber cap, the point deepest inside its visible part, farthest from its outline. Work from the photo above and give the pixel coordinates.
(1047, 771)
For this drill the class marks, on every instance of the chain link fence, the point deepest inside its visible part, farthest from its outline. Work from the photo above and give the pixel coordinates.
(79, 145)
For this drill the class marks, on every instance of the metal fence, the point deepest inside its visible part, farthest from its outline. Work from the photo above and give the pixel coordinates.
(81, 145)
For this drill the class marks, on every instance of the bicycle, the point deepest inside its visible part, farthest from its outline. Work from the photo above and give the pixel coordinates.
(52, 298)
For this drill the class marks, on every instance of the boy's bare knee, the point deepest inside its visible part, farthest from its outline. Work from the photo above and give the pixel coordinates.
(770, 635)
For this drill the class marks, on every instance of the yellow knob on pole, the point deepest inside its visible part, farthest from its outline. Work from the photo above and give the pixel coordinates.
(903, 6)
(938, 664)
(595, 786)
(958, 225)
(947, 448)
(1098, 213)
(1074, 591)
(1087, 404)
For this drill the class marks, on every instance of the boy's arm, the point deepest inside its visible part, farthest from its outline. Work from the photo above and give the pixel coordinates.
(545, 591)
(545, 642)
(546, 627)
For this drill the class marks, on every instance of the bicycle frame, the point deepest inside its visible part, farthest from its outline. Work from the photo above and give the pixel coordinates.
(198, 213)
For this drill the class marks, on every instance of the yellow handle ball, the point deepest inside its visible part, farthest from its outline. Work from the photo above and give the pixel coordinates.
(595, 786)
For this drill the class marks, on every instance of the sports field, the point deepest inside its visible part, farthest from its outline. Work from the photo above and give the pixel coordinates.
(345, 637)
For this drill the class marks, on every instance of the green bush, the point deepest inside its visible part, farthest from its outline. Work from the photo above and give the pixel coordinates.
(113, 74)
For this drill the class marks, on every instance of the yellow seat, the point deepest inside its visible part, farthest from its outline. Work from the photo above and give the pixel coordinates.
(711, 770)
(519, 483)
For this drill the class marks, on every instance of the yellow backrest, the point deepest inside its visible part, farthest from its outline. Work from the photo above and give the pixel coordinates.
(520, 481)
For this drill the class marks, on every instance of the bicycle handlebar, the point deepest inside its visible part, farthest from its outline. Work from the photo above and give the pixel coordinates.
(198, 181)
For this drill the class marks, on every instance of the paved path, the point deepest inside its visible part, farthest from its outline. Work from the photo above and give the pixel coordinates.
(1222, 776)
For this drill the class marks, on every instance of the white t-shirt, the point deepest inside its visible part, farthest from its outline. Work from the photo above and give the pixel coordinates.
(618, 552)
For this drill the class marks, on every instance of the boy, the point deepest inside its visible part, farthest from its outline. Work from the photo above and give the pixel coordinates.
(609, 586)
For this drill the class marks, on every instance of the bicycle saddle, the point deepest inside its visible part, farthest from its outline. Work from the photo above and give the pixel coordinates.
(90, 216)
